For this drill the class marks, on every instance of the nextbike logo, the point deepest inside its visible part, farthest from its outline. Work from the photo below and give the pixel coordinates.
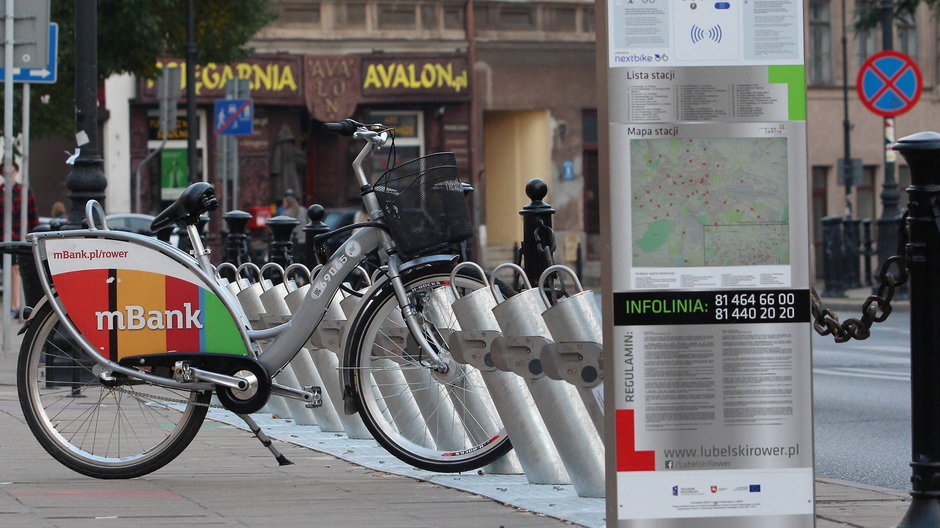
(89, 255)
(136, 318)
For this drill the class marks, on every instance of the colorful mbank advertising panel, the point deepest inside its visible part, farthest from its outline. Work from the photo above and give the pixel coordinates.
(128, 300)
(709, 367)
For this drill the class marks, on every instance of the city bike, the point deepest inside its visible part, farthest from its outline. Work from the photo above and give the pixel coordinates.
(123, 355)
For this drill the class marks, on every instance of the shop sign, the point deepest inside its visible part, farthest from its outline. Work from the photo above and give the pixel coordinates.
(154, 133)
(331, 86)
(274, 79)
(438, 77)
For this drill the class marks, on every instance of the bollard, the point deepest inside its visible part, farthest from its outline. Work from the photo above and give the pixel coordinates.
(575, 356)
(833, 272)
(530, 440)
(851, 240)
(236, 242)
(922, 153)
(538, 239)
(867, 251)
(314, 227)
(281, 251)
(568, 423)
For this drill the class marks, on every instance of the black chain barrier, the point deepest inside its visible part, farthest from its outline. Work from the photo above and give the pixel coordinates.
(877, 307)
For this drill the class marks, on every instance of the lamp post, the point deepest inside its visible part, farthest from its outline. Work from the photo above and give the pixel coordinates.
(847, 172)
(86, 181)
(192, 122)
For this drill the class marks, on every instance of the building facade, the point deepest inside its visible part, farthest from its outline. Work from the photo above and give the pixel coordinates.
(509, 86)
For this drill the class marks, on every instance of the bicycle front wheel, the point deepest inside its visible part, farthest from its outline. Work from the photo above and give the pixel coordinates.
(438, 422)
(122, 430)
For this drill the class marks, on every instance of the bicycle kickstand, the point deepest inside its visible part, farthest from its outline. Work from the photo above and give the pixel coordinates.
(265, 440)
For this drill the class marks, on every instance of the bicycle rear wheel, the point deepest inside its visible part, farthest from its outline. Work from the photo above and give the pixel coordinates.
(124, 430)
(438, 422)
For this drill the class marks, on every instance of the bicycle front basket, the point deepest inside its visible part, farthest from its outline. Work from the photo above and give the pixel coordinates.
(424, 203)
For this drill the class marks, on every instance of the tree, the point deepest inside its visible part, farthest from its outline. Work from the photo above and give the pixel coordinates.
(132, 34)
(868, 12)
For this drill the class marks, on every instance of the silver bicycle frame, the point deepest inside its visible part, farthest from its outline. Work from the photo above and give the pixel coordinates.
(289, 337)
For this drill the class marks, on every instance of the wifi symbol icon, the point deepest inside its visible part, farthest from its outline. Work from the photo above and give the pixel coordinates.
(713, 34)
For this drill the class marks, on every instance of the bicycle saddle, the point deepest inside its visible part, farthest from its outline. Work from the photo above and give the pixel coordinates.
(197, 199)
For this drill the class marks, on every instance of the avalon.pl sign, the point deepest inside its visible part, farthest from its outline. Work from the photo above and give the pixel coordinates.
(435, 77)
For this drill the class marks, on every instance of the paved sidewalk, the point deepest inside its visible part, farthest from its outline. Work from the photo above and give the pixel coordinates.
(227, 478)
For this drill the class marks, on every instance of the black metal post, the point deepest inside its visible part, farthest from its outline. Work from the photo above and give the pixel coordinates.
(314, 227)
(867, 250)
(192, 123)
(846, 124)
(888, 223)
(922, 153)
(851, 240)
(282, 248)
(236, 242)
(538, 241)
(833, 274)
(87, 180)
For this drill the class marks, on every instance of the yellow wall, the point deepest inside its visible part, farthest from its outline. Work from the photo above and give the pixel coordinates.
(517, 148)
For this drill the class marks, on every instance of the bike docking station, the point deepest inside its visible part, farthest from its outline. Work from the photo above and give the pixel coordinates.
(708, 376)
(518, 350)
(471, 345)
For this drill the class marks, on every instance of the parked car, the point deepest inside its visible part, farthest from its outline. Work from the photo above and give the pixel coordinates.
(137, 223)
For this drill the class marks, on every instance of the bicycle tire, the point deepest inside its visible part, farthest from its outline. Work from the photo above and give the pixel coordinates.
(393, 392)
(71, 417)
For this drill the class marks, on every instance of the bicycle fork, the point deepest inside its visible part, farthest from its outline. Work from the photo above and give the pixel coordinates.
(410, 315)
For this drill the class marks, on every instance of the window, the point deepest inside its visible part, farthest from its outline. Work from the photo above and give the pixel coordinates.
(865, 194)
(350, 15)
(587, 17)
(867, 44)
(454, 17)
(396, 16)
(820, 30)
(505, 17)
(300, 13)
(592, 203)
(515, 18)
(906, 41)
(409, 138)
(820, 176)
(430, 16)
(561, 19)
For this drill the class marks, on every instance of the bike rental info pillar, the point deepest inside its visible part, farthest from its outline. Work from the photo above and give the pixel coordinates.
(709, 393)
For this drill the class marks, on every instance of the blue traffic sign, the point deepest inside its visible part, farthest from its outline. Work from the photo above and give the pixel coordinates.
(233, 117)
(47, 75)
(889, 83)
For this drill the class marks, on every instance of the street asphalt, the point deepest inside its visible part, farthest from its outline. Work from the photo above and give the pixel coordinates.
(227, 478)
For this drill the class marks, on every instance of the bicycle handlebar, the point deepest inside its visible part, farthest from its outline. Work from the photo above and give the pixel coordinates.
(346, 127)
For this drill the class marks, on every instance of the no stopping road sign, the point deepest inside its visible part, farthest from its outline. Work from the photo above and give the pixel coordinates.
(889, 83)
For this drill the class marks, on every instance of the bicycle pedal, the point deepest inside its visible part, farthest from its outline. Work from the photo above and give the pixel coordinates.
(317, 400)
